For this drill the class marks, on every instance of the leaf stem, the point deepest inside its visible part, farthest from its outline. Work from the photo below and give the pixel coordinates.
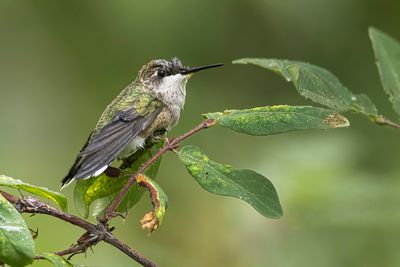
(381, 120)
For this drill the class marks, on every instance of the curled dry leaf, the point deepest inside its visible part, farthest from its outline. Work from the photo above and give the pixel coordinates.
(159, 200)
(149, 221)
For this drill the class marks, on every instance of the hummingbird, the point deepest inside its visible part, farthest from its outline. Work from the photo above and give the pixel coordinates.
(148, 106)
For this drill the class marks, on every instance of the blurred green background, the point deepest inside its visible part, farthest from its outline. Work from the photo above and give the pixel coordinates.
(62, 62)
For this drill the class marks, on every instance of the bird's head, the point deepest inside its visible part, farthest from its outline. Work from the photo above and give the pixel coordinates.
(163, 76)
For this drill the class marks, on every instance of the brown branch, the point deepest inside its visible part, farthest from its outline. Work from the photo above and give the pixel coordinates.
(110, 239)
(32, 205)
(171, 145)
(93, 235)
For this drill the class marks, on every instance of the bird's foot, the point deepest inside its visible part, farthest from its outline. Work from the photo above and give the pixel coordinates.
(160, 132)
(158, 135)
(156, 138)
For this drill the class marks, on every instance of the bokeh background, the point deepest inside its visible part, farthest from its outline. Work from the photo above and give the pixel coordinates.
(62, 62)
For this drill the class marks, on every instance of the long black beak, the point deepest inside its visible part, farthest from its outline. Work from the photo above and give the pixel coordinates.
(196, 69)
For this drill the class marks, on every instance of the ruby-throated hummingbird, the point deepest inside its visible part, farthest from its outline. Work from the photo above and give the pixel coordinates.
(150, 104)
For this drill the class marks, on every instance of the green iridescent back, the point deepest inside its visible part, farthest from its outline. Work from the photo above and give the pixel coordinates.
(132, 96)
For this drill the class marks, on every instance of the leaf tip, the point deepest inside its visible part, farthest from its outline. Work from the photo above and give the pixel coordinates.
(239, 61)
(372, 30)
(374, 34)
(277, 216)
(335, 120)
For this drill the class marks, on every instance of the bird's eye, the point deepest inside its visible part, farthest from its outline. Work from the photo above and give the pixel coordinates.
(161, 73)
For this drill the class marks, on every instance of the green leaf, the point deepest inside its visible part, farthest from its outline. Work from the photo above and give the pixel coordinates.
(88, 190)
(100, 205)
(278, 119)
(317, 84)
(16, 242)
(58, 198)
(81, 187)
(221, 179)
(387, 54)
(56, 260)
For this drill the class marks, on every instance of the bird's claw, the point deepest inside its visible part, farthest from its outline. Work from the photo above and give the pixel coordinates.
(158, 135)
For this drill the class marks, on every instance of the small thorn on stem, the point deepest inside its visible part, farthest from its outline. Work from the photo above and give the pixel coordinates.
(34, 233)
(20, 192)
(172, 144)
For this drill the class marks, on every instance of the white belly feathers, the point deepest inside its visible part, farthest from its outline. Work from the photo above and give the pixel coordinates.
(136, 143)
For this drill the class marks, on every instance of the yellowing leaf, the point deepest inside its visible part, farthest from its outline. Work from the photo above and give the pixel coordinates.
(278, 119)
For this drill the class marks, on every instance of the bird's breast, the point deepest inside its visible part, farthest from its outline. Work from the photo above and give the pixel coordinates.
(166, 119)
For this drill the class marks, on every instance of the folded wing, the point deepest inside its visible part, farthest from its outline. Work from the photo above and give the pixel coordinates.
(104, 146)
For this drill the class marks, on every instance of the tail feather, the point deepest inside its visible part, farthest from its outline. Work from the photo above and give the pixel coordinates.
(70, 177)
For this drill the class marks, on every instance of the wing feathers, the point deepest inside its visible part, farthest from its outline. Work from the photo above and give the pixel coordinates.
(105, 153)
(104, 146)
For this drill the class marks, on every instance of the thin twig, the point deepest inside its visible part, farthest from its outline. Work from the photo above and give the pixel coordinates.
(75, 249)
(171, 145)
(128, 251)
(78, 248)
